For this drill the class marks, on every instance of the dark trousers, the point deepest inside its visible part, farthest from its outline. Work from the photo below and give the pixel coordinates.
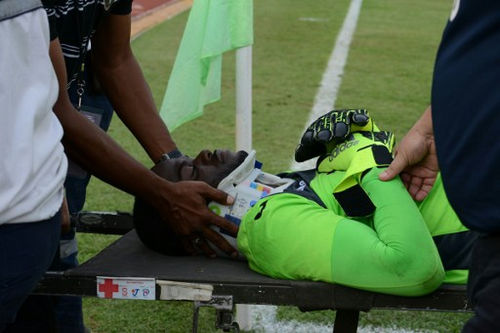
(68, 309)
(483, 288)
(26, 251)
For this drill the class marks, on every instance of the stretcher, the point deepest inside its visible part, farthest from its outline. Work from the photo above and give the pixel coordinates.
(126, 269)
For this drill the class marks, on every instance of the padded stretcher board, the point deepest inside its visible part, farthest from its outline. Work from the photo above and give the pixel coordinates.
(201, 279)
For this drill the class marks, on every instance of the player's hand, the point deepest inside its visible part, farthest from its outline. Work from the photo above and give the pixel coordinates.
(185, 210)
(360, 151)
(330, 129)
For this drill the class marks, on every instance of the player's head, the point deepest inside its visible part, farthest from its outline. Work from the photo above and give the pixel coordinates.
(207, 166)
(210, 167)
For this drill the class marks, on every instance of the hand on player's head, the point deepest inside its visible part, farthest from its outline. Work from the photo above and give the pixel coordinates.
(181, 222)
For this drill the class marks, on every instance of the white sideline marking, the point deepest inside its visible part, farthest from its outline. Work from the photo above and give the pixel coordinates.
(312, 19)
(265, 318)
(332, 77)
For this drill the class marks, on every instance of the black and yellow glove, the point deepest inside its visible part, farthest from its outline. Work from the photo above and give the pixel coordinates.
(359, 153)
(330, 129)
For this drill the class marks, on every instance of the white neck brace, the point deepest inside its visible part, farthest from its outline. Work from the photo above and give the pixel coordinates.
(246, 184)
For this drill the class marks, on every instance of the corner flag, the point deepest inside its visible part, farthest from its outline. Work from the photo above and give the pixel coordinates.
(213, 27)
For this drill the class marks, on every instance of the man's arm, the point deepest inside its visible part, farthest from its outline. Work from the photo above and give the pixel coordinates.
(415, 158)
(184, 203)
(123, 82)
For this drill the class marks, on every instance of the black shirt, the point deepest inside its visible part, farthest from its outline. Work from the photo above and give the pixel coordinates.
(466, 112)
(74, 22)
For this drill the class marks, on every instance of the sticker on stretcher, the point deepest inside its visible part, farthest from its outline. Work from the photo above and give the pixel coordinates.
(126, 288)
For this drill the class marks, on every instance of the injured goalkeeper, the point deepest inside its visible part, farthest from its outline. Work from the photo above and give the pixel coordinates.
(336, 223)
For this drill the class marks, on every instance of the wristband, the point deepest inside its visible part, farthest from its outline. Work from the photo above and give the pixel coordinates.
(168, 156)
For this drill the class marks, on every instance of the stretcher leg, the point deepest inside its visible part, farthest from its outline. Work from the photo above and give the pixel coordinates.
(224, 313)
(346, 321)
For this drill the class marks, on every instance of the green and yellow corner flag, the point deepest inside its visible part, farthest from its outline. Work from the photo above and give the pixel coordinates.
(213, 27)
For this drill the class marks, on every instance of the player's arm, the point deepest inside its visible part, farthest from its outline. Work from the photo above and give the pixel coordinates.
(397, 254)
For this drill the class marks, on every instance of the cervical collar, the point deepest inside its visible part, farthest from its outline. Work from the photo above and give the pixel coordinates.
(246, 184)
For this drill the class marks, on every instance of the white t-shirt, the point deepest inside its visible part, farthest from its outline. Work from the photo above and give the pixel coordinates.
(32, 161)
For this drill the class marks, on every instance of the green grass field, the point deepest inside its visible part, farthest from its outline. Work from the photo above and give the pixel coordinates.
(388, 71)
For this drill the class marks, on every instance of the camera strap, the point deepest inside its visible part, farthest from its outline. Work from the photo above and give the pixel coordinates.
(84, 39)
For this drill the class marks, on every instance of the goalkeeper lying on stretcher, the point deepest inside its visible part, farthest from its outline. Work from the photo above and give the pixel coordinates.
(337, 223)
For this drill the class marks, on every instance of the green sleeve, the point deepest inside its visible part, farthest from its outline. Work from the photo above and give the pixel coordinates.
(439, 216)
(397, 255)
(442, 220)
(288, 236)
(456, 276)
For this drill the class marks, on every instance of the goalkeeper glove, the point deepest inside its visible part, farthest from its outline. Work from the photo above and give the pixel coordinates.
(358, 154)
(330, 129)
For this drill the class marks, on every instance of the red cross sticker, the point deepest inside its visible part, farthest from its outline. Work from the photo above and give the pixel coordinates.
(108, 288)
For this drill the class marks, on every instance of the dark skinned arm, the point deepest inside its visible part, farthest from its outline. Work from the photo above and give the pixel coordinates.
(183, 203)
(122, 80)
(416, 159)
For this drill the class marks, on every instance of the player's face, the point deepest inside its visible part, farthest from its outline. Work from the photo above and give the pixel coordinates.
(210, 167)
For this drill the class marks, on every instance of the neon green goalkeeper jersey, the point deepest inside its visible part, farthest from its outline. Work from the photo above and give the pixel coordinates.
(290, 236)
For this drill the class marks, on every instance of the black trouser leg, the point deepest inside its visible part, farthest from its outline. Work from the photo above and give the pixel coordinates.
(483, 288)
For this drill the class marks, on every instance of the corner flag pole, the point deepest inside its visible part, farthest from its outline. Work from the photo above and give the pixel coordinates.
(244, 138)
(244, 98)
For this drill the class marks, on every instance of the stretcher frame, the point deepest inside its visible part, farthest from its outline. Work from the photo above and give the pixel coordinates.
(222, 283)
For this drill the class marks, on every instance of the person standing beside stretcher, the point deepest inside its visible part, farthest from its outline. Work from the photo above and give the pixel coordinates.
(33, 163)
(90, 49)
(337, 223)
